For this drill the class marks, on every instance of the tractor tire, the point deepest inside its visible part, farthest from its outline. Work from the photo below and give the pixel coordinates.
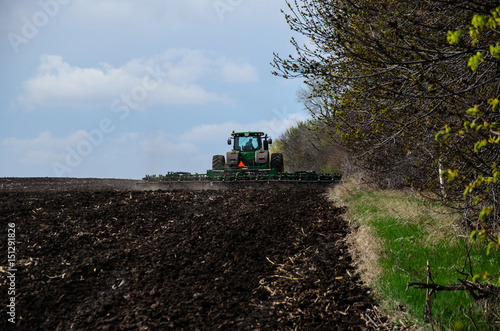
(218, 162)
(277, 162)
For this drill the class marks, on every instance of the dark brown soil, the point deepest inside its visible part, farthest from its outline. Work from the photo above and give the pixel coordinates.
(101, 255)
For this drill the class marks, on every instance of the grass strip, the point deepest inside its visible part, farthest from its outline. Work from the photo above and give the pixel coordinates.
(395, 234)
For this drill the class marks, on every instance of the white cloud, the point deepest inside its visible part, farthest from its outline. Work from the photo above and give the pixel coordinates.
(161, 143)
(43, 141)
(43, 149)
(174, 77)
(80, 151)
(280, 122)
(126, 137)
(156, 152)
(211, 133)
(57, 83)
(239, 72)
(217, 133)
(193, 149)
(162, 152)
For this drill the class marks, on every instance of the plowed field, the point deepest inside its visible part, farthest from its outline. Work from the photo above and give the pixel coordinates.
(102, 255)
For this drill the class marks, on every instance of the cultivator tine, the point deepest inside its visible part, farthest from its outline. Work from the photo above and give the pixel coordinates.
(244, 176)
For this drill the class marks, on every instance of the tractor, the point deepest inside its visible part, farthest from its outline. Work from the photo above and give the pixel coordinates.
(249, 161)
(250, 152)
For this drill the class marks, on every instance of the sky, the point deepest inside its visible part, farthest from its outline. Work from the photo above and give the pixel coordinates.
(125, 88)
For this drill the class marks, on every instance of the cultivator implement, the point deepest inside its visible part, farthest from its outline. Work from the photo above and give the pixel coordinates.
(249, 161)
(244, 176)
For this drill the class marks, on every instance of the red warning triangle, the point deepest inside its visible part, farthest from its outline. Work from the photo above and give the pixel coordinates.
(241, 164)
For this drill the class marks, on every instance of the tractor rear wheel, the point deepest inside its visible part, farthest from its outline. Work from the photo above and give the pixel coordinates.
(218, 162)
(277, 162)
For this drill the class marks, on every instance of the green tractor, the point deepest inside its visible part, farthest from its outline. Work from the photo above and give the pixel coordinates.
(249, 161)
(250, 153)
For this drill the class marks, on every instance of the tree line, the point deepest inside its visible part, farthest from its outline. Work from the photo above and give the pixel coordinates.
(385, 77)
(408, 90)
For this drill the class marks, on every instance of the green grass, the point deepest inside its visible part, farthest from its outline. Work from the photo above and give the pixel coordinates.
(410, 232)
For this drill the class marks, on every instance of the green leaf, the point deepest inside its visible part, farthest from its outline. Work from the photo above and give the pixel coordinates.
(494, 103)
(479, 21)
(475, 60)
(480, 144)
(474, 34)
(485, 213)
(454, 37)
(490, 246)
(451, 174)
(473, 235)
(440, 133)
(474, 111)
(495, 50)
(494, 21)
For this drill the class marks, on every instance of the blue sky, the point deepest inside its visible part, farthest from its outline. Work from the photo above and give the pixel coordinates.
(124, 88)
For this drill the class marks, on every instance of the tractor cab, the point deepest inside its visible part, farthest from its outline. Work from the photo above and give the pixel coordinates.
(247, 144)
(249, 141)
(250, 152)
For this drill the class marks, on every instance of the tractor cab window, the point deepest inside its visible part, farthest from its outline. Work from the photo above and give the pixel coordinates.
(250, 143)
